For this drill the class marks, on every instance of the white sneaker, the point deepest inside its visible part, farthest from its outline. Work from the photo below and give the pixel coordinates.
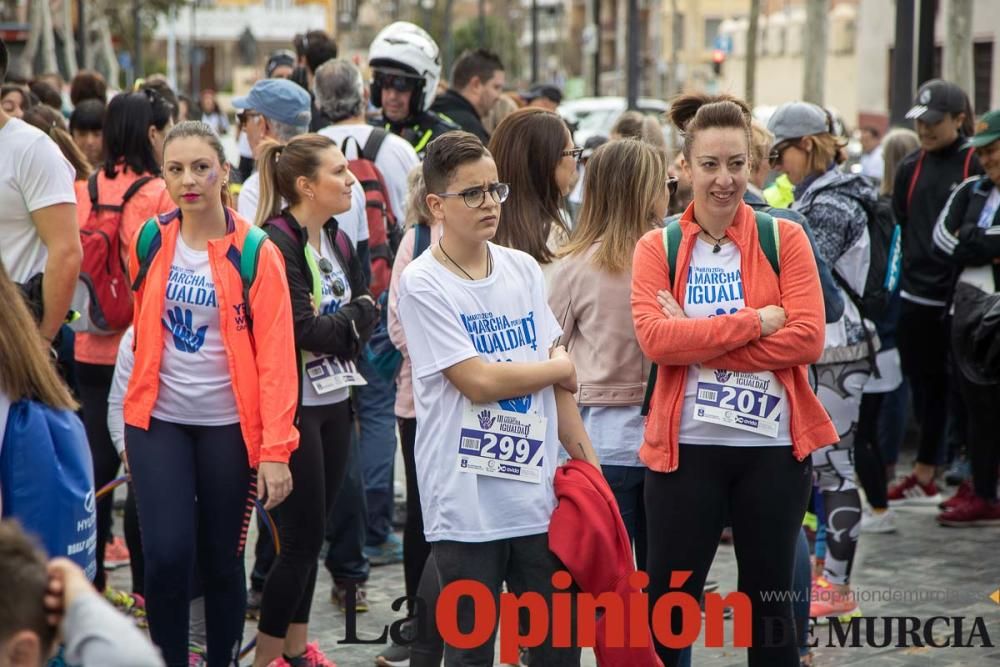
(881, 522)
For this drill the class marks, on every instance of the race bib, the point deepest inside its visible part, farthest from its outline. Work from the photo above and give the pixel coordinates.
(328, 374)
(747, 401)
(501, 443)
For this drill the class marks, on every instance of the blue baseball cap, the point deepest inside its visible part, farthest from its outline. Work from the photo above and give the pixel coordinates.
(278, 99)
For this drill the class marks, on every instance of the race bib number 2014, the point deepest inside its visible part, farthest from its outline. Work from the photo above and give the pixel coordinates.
(501, 443)
(746, 401)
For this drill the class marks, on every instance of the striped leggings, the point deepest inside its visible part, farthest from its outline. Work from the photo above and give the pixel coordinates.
(194, 490)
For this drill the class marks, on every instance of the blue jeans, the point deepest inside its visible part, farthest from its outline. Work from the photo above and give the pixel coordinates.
(377, 416)
(802, 585)
(345, 525)
(627, 483)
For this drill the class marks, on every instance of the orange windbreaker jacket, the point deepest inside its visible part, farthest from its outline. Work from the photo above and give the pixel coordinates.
(732, 342)
(262, 365)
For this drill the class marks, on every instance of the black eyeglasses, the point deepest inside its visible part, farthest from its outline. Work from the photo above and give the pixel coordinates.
(775, 157)
(398, 82)
(245, 116)
(474, 197)
(576, 152)
(672, 186)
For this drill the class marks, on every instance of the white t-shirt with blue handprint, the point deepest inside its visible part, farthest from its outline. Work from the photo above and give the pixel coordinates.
(336, 290)
(195, 385)
(715, 287)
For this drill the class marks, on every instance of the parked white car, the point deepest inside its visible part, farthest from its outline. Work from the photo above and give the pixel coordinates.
(597, 115)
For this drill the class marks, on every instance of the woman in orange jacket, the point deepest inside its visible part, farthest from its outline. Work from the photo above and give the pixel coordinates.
(732, 321)
(210, 405)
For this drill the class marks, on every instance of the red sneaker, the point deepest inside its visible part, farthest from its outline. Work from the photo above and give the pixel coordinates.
(911, 492)
(960, 498)
(974, 512)
(115, 554)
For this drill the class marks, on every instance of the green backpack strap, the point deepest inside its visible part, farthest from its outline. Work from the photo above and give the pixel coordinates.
(148, 235)
(769, 239)
(249, 258)
(672, 236)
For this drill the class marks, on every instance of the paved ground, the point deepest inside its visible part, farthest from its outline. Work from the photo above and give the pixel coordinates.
(927, 569)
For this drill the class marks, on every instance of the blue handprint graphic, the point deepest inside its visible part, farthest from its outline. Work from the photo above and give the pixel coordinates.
(180, 326)
(519, 404)
(486, 420)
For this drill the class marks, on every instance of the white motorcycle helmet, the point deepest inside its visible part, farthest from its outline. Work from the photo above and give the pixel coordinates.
(405, 49)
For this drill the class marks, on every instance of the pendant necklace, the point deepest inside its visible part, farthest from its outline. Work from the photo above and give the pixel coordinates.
(718, 241)
(489, 262)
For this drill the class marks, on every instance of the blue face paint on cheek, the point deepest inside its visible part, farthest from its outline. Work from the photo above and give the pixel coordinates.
(213, 176)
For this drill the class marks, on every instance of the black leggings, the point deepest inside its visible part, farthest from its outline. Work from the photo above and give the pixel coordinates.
(982, 403)
(94, 383)
(868, 462)
(194, 488)
(923, 343)
(415, 546)
(765, 491)
(317, 468)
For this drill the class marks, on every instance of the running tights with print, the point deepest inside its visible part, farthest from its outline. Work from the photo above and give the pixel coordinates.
(764, 491)
(317, 468)
(839, 388)
(416, 549)
(194, 489)
(525, 564)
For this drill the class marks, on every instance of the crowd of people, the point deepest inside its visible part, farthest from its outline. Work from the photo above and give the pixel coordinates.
(731, 333)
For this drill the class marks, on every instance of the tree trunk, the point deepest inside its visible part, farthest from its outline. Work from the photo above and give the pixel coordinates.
(108, 51)
(49, 61)
(674, 87)
(69, 41)
(814, 51)
(751, 56)
(34, 37)
(958, 67)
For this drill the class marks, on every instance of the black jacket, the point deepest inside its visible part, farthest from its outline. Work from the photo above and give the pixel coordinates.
(958, 238)
(419, 130)
(925, 273)
(342, 334)
(456, 108)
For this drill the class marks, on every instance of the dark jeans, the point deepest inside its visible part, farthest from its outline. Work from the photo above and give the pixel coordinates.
(415, 546)
(627, 483)
(923, 349)
(345, 525)
(195, 493)
(802, 585)
(765, 490)
(868, 462)
(377, 422)
(94, 384)
(317, 468)
(982, 405)
(525, 564)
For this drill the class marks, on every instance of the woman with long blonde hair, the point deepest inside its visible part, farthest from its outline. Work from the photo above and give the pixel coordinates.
(625, 195)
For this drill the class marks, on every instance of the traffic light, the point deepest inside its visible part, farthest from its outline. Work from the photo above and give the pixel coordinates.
(718, 57)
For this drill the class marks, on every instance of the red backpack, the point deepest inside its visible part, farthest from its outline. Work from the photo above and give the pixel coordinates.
(102, 272)
(384, 233)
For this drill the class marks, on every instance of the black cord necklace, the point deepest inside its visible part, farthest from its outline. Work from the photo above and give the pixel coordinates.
(489, 262)
(718, 241)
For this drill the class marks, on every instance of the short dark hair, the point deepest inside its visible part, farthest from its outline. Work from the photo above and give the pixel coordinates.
(479, 63)
(446, 154)
(87, 85)
(317, 47)
(24, 581)
(167, 93)
(46, 94)
(88, 116)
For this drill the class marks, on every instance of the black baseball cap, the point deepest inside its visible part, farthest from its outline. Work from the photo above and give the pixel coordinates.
(546, 90)
(936, 98)
(281, 58)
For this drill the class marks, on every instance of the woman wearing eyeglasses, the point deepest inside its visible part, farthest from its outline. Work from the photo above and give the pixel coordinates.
(625, 195)
(333, 317)
(535, 154)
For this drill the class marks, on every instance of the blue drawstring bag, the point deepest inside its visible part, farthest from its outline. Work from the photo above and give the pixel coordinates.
(47, 481)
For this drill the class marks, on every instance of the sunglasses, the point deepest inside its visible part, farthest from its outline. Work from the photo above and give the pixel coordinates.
(398, 82)
(474, 197)
(672, 186)
(775, 157)
(576, 152)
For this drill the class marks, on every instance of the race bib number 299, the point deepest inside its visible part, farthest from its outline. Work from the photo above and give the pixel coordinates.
(501, 443)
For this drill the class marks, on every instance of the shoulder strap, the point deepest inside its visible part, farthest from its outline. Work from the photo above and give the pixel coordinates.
(344, 144)
(251, 255)
(148, 241)
(913, 179)
(92, 189)
(374, 143)
(422, 241)
(343, 244)
(769, 239)
(671, 244)
(135, 187)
